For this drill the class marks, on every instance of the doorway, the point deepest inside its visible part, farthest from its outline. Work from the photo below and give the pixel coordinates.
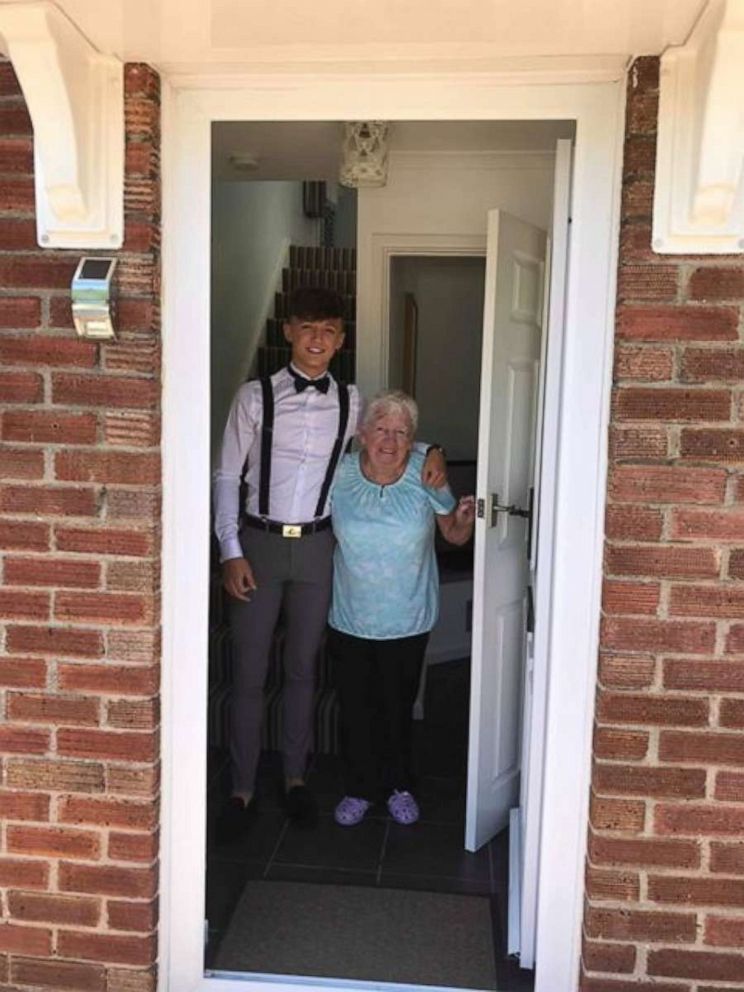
(183, 906)
(435, 308)
(270, 235)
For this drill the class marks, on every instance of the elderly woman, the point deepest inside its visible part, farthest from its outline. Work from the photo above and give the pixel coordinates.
(385, 601)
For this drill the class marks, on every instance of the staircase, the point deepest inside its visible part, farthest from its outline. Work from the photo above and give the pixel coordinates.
(331, 268)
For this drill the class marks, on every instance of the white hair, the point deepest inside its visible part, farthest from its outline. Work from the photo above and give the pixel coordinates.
(391, 401)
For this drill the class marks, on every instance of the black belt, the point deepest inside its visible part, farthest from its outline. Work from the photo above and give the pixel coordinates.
(287, 530)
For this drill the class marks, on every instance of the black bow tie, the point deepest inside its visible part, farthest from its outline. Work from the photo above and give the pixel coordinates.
(301, 383)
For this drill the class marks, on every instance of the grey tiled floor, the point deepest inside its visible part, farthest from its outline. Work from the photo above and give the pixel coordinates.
(428, 855)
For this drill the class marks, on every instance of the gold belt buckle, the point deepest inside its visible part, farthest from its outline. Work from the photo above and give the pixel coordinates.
(291, 530)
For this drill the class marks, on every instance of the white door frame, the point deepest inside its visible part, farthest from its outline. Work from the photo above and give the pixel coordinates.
(189, 110)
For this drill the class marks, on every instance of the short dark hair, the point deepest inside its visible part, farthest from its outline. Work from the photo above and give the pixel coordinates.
(315, 303)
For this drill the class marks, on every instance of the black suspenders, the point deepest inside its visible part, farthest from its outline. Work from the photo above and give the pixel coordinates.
(338, 444)
(267, 436)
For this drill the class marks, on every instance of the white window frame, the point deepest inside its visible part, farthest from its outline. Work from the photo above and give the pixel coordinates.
(190, 107)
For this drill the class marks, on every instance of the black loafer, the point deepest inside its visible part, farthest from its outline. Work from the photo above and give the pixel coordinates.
(234, 819)
(301, 805)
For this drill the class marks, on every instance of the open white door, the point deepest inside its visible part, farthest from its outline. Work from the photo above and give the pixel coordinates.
(524, 837)
(509, 392)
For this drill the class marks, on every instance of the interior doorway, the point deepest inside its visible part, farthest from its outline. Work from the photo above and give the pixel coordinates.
(435, 304)
(436, 314)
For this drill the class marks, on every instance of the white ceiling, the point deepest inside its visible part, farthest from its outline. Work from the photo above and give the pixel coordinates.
(311, 150)
(225, 36)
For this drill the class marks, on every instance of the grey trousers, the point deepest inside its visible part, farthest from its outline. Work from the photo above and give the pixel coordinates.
(293, 576)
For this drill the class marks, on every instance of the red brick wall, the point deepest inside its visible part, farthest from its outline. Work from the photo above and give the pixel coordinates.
(79, 596)
(665, 873)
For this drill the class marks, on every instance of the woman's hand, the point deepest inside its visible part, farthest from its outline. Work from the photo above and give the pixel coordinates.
(457, 527)
(237, 578)
(465, 513)
(434, 471)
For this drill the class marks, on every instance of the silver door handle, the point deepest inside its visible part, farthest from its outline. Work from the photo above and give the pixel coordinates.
(495, 508)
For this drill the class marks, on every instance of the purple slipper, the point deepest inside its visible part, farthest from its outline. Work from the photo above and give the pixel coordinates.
(351, 811)
(403, 807)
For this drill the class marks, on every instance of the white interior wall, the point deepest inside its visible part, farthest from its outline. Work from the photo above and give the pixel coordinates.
(253, 224)
(435, 195)
(344, 223)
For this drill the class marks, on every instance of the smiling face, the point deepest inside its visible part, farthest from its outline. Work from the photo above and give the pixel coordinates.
(314, 343)
(387, 443)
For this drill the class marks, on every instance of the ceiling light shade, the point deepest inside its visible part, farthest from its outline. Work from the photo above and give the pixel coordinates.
(364, 154)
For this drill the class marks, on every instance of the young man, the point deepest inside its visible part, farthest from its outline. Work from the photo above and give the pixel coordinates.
(284, 434)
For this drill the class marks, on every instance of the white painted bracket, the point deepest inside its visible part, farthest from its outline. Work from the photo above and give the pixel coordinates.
(699, 190)
(75, 96)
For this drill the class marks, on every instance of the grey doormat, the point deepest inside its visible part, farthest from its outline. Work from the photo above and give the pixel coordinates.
(337, 931)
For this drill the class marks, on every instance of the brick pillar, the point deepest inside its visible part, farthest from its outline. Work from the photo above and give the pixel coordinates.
(79, 599)
(665, 874)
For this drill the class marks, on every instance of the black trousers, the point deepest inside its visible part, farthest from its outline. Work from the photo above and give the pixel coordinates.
(377, 682)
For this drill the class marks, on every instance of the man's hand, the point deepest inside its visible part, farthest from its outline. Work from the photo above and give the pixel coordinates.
(434, 472)
(237, 578)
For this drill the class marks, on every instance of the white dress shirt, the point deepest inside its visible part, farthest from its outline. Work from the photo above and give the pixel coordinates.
(305, 427)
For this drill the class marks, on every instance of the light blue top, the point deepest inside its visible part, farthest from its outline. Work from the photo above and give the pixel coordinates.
(385, 581)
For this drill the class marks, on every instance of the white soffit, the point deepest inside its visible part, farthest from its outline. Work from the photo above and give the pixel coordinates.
(538, 40)
(75, 97)
(699, 191)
